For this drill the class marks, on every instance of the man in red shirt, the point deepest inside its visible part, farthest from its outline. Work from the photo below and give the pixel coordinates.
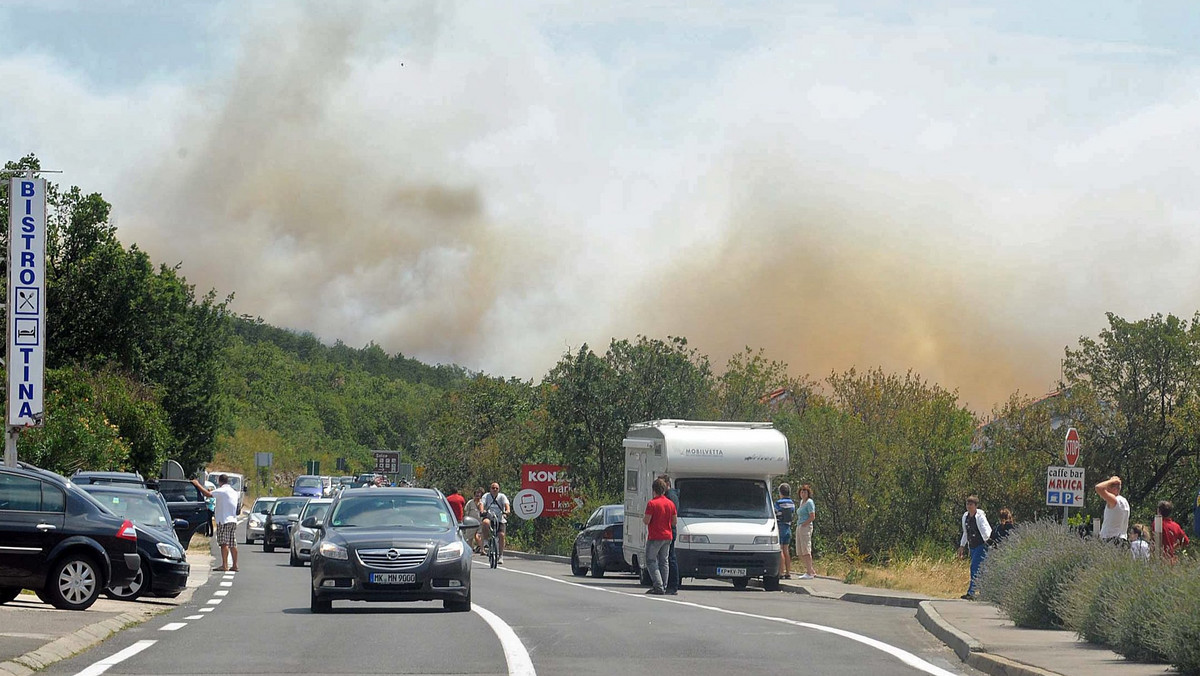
(660, 518)
(1173, 533)
(457, 503)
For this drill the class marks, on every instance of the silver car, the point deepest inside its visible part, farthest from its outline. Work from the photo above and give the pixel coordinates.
(303, 538)
(258, 515)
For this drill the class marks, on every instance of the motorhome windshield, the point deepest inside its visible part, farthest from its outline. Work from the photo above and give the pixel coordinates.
(724, 499)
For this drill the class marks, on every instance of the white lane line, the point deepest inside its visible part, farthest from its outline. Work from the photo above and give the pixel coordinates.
(173, 626)
(194, 617)
(899, 653)
(226, 584)
(221, 592)
(213, 602)
(207, 610)
(116, 658)
(519, 663)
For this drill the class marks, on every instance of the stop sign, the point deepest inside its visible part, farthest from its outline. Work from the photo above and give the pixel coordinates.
(1071, 447)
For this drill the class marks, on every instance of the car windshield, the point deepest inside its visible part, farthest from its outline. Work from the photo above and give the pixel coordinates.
(614, 515)
(288, 507)
(316, 511)
(143, 510)
(308, 482)
(724, 499)
(262, 506)
(392, 511)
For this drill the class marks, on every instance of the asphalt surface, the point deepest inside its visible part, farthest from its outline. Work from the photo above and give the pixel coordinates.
(559, 624)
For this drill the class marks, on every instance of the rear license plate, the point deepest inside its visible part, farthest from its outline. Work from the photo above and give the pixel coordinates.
(731, 572)
(393, 578)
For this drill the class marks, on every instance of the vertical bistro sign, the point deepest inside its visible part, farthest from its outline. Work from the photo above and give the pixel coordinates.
(26, 301)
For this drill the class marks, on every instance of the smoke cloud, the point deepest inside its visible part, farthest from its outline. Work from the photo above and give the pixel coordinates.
(493, 186)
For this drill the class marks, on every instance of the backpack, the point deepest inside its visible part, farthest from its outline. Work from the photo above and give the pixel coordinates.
(785, 510)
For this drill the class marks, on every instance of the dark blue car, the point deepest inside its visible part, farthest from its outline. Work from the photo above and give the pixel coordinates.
(309, 486)
(598, 545)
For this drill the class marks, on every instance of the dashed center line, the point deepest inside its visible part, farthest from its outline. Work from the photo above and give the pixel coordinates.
(221, 592)
(173, 626)
(194, 617)
(213, 602)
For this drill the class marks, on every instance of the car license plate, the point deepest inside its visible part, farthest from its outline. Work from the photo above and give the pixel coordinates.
(731, 572)
(393, 578)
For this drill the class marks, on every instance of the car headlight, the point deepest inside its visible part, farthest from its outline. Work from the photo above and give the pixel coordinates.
(694, 539)
(256, 522)
(306, 536)
(332, 551)
(450, 552)
(766, 539)
(276, 526)
(169, 551)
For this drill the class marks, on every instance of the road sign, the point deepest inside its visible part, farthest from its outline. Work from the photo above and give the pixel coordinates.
(26, 301)
(1064, 486)
(262, 459)
(1071, 447)
(545, 491)
(387, 462)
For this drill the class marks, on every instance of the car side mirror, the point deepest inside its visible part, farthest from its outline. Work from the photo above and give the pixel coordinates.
(180, 523)
(469, 522)
(577, 526)
(311, 522)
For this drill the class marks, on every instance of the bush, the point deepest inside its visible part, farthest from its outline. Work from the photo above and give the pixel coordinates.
(1029, 570)
(1087, 603)
(1141, 615)
(1179, 639)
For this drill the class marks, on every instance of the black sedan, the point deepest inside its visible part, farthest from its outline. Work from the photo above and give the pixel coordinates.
(391, 544)
(283, 515)
(164, 568)
(59, 541)
(598, 545)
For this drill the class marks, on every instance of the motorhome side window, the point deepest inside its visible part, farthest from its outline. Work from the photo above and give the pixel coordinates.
(724, 498)
(631, 480)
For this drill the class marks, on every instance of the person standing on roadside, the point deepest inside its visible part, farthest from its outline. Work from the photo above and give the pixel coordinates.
(806, 514)
(1003, 528)
(474, 508)
(1114, 528)
(1172, 533)
(785, 513)
(672, 560)
(457, 504)
(975, 533)
(496, 509)
(660, 519)
(1139, 545)
(226, 500)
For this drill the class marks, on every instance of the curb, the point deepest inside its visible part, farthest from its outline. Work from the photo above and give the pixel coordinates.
(538, 557)
(971, 651)
(82, 639)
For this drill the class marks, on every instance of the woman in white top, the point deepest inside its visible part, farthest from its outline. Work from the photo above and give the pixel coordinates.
(1139, 545)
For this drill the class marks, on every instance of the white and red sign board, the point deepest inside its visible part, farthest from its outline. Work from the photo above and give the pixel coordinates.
(1071, 447)
(26, 301)
(545, 491)
(1064, 486)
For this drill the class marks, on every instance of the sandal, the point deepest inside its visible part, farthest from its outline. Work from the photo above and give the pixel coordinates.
(219, 570)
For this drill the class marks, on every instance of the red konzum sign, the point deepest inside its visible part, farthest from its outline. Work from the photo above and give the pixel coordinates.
(552, 485)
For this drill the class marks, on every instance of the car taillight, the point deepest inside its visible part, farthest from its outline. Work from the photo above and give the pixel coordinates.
(610, 533)
(127, 531)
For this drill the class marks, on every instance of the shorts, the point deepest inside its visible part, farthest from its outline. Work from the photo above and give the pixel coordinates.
(804, 540)
(785, 534)
(227, 534)
(497, 525)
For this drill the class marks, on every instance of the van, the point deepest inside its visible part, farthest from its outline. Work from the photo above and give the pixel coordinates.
(723, 472)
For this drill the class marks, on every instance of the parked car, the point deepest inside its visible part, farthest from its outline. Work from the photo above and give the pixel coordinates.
(185, 502)
(84, 478)
(258, 518)
(59, 541)
(308, 485)
(598, 544)
(275, 529)
(302, 536)
(391, 544)
(164, 568)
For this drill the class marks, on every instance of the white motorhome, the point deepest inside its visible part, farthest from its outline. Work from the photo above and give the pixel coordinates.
(723, 472)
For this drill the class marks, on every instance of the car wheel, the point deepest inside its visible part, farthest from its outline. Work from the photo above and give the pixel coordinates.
(741, 582)
(130, 592)
(597, 565)
(771, 583)
(249, 540)
(643, 574)
(268, 548)
(576, 569)
(294, 560)
(317, 604)
(74, 583)
(456, 606)
(9, 593)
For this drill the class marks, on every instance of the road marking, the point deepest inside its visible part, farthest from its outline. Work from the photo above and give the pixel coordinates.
(221, 592)
(173, 626)
(207, 610)
(899, 653)
(226, 584)
(519, 663)
(194, 617)
(213, 602)
(116, 658)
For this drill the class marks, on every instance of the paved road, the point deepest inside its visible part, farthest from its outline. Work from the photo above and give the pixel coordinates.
(530, 617)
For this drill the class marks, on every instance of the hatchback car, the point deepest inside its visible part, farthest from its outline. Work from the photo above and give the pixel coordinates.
(391, 544)
(164, 568)
(258, 518)
(303, 536)
(84, 478)
(308, 485)
(59, 541)
(275, 530)
(598, 545)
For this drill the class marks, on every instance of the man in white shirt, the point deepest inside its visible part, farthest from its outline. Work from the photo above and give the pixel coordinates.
(226, 498)
(496, 509)
(976, 531)
(1115, 526)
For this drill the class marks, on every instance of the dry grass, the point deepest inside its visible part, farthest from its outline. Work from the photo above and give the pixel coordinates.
(199, 543)
(941, 578)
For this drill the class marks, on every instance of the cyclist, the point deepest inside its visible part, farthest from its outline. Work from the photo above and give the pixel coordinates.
(496, 509)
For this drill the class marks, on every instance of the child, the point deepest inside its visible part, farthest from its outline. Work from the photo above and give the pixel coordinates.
(1138, 544)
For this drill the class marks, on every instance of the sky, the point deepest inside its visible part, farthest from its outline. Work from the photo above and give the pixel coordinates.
(960, 190)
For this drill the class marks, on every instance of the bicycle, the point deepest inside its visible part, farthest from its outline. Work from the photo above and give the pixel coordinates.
(493, 544)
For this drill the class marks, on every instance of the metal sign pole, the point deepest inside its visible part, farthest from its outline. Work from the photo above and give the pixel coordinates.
(10, 447)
